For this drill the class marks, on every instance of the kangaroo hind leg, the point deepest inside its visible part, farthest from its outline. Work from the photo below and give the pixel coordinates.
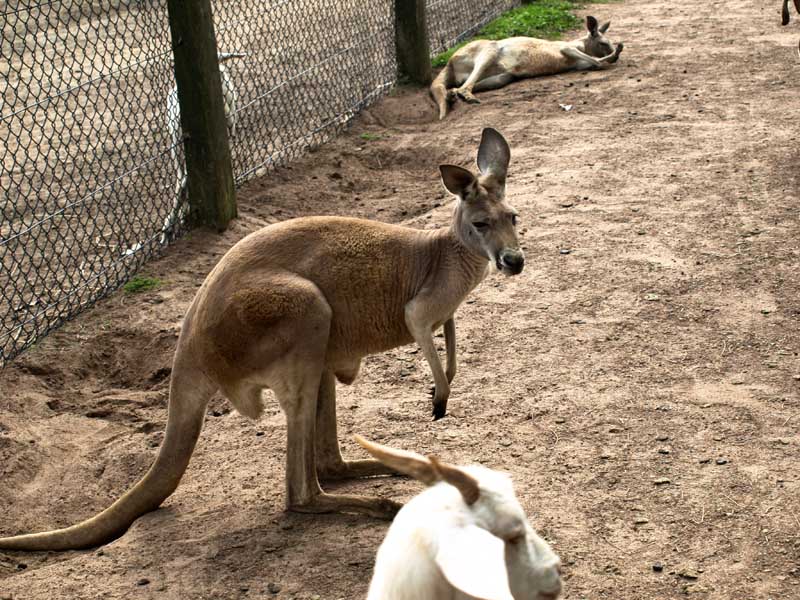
(483, 62)
(493, 83)
(296, 378)
(330, 464)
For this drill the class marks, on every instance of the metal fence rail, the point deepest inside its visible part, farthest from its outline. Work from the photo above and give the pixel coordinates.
(88, 165)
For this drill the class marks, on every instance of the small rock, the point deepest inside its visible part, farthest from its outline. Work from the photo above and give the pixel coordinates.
(566, 204)
(273, 588)
(661, 481)
(563, 420)
(143, 581)
(662, 438)
(704, 461)
(658, 567)
(663, 450)
(722, 461)
(640, 521)
(259, 433)
(688, 574)
(565, 251)
(651, 297)
(22, 566)
(505, 442)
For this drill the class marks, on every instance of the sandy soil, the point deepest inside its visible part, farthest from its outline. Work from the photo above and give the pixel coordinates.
(653, 335)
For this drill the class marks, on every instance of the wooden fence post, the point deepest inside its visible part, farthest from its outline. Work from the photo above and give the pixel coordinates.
(208, 154)
(411, 41)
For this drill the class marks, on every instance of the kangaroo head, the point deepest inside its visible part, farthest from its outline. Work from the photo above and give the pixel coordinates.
(484, 222)
(596, 43)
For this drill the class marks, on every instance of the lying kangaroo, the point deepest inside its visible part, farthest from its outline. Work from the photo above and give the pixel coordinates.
(487, 65)
(295, 306)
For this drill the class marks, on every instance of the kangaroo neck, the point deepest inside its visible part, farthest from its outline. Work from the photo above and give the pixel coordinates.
(459, 259)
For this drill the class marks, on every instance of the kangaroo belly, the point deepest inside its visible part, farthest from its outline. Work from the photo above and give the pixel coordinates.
(528, 57)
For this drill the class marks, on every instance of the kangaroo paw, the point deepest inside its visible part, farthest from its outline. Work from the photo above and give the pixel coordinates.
(467, 97)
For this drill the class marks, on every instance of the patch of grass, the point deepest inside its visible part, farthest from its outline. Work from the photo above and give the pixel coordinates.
(545, 19)
(141, 284)
(370, 137)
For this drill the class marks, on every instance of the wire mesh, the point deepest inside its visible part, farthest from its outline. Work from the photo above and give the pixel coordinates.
(452, 21)
(90, 146)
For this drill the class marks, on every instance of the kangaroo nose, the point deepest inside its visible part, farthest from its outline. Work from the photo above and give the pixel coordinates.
(513, 260)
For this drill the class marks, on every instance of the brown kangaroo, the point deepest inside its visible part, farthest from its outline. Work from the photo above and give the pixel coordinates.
(295, 306)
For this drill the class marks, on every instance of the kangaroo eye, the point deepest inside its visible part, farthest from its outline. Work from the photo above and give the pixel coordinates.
(480, 226)
(517, 539)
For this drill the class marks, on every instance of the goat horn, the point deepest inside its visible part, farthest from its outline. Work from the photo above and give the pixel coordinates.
(459, 479)
(409, 463)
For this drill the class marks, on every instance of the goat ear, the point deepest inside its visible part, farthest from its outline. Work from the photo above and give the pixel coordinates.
(456, 179)
(474, 561)
(459, 479)
(604, 27)
(409, 463)
(494, 153)
(591, 25)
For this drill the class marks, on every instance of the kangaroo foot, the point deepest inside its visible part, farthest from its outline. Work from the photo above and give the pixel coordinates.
(451, 96)
(351, 469)
(380, 508)
(467, 96)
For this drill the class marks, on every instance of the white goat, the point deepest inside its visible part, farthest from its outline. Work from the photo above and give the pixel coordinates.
(465, 537)
(229, 97)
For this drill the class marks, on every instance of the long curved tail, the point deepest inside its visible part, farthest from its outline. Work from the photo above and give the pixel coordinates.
(188, 397)
(439, 89)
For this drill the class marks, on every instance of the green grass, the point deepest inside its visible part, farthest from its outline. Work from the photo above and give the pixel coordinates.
(370, 136)
(141, 284)
(546, 19)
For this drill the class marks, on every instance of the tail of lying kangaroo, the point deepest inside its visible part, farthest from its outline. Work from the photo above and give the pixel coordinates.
(188, 397)
(439, 87)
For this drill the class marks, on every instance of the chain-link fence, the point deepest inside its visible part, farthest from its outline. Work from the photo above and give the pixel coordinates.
(91, 173)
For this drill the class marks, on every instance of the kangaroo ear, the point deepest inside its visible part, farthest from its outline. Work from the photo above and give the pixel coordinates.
(456, 179)
(604, 27)
(493, 153)
(591, 25)
(474, 561)
(409, 463)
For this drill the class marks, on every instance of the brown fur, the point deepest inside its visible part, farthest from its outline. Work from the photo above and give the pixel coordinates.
(295, 306)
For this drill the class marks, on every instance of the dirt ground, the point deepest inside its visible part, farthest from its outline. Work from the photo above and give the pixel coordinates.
(652, 336)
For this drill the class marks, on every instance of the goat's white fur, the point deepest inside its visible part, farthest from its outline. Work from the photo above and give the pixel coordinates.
(439, 547)
(229, 97)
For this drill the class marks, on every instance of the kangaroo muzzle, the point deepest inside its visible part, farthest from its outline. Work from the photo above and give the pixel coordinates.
(511, 261)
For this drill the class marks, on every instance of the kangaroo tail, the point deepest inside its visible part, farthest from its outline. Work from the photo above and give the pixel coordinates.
(189, 395)
(439, 89)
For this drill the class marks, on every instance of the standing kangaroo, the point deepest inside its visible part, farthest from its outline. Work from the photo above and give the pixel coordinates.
(295, 306)
(487, 65)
